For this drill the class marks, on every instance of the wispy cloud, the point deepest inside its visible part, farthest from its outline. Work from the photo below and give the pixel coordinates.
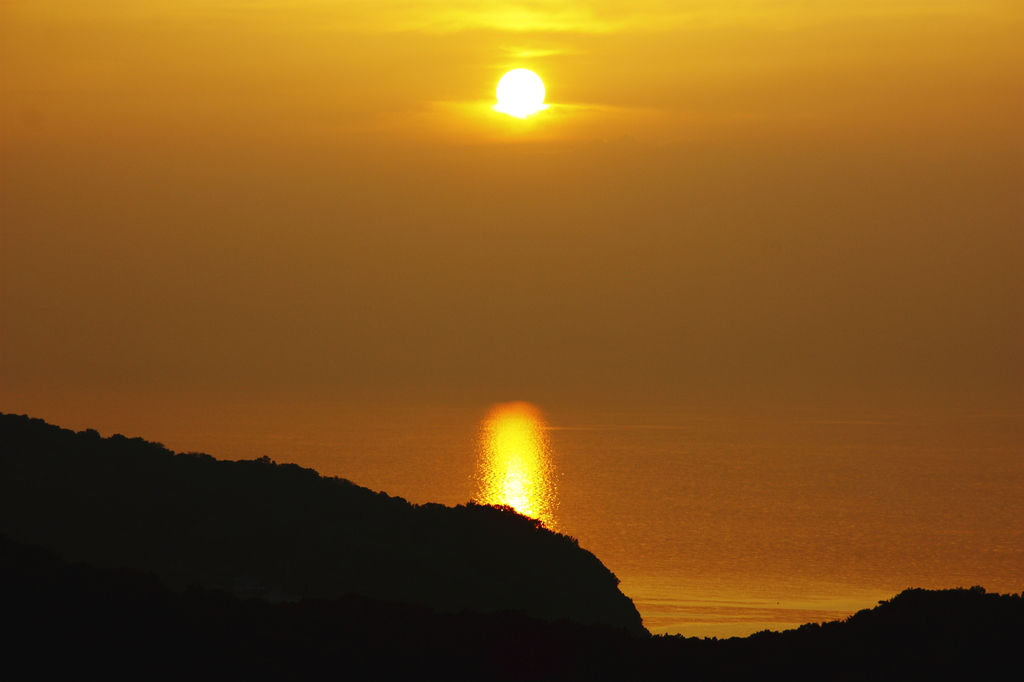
(512, 16)
(612, 16)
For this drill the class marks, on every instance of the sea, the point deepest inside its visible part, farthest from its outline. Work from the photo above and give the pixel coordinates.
(717, 525)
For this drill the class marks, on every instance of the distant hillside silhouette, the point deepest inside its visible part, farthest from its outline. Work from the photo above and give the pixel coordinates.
(126, 624)
(283, 532)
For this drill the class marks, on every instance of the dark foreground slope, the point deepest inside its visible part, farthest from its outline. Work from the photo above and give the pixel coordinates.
(79, 619)
(284, 532)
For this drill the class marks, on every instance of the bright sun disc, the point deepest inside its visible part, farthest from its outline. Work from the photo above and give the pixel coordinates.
(520, 93)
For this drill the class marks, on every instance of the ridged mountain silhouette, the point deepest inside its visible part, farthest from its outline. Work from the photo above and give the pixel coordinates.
(283, 532)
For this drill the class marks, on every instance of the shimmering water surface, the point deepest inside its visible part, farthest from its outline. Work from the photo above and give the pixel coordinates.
(514, 466)
(715, 525)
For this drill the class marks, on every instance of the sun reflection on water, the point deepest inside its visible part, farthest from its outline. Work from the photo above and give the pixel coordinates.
(514, 465)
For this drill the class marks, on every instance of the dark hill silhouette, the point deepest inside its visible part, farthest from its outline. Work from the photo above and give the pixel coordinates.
(284, 532)
(126, 624)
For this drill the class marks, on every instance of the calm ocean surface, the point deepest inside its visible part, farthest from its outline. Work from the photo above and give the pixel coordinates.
(716, 526)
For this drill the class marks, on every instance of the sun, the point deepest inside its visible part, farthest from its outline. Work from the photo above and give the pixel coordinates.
(520, 93)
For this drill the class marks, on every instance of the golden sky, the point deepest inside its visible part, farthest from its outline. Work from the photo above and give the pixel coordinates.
(786, 197)
(659, 71)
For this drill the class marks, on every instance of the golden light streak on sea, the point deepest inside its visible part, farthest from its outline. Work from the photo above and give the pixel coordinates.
(514, 464)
